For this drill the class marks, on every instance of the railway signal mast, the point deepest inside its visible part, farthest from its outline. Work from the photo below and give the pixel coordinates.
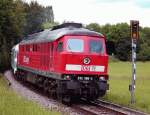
(134, 27)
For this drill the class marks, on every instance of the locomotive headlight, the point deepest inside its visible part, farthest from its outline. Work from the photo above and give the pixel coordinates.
(67, 77)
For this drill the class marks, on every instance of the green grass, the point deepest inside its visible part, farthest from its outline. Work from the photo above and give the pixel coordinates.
(12, 104)
(120, 76)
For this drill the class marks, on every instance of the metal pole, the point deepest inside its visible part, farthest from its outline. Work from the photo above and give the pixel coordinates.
(132, 85)
(134, 28)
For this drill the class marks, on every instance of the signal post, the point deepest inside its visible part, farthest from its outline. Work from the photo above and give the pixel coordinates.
(134, 28)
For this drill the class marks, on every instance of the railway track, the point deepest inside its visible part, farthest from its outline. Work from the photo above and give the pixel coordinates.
(97, 107)
(100, 107)
(118, 108)
(95, 110)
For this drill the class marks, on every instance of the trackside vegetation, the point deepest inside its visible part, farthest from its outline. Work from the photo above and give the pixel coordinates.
(120, 77)
(12, 104)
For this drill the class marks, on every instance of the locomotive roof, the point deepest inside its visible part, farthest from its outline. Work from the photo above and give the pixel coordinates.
(51, 35)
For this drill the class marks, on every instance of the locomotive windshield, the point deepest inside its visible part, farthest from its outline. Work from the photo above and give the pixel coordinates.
(95, 46)
(75, 45)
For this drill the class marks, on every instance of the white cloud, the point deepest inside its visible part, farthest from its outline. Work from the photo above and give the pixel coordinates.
(87, 11)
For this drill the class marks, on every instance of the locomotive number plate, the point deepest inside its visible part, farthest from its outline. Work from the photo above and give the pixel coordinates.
(88, 68)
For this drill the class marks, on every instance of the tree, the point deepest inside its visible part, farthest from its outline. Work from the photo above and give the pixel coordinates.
(11, 23)
(48, 14)
(94, 27)
(144, 53)
(123, 49)
(48, 25)
(144, 40)
(36, 16)
(116, 32)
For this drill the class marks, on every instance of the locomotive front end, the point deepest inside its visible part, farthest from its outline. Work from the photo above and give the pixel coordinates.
(85, 65)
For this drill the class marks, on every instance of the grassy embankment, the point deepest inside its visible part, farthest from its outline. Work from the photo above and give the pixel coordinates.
(12, 104)
(120, 77)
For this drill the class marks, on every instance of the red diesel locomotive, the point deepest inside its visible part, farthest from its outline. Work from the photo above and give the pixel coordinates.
(68, 61)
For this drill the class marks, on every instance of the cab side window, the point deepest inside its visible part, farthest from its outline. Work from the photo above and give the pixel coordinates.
(60, 47)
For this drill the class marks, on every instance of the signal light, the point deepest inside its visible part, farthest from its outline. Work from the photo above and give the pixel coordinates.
(134, 29)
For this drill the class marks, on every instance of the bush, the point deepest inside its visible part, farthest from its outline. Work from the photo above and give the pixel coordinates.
(113, 59)
(123, 49)
(144, 53)
(4, 61)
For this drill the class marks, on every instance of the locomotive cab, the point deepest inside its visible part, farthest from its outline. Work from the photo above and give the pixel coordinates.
(80, 54)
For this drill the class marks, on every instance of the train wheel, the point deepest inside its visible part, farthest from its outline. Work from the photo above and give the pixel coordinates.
(16, 76)
(45, 86)
(66, 100)
(53, 93)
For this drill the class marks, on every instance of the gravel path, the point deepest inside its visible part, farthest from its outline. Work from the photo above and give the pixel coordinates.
(41, 100)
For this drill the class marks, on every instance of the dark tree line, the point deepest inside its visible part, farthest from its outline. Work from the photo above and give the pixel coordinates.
(18, 19)
(11, 21)
(119, 42)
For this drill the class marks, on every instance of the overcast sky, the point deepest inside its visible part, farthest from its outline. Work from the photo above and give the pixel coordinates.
(100, 11)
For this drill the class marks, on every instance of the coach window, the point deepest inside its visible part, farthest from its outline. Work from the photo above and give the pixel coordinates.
(22, 48)
(27, 48)
(60, 47)
(36, 48)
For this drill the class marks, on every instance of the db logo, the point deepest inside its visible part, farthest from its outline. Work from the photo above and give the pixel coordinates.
(26, 59)
(86, 61)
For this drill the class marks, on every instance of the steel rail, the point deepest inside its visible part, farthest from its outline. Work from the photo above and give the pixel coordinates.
(119, 108)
